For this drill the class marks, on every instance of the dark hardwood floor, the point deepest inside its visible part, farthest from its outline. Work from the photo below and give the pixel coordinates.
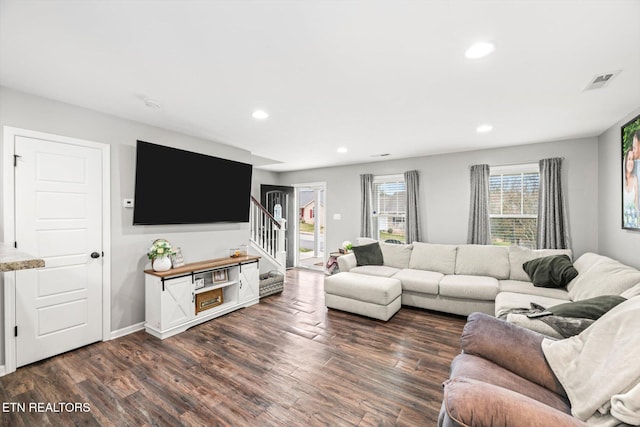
(284, 362)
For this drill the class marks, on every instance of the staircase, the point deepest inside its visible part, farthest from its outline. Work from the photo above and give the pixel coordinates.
(268, 237)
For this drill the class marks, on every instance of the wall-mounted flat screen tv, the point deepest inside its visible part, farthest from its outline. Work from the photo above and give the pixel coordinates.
(182, 187)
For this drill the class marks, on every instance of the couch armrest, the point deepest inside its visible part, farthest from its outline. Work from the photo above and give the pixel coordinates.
(347, 262)
(469, 402)
(514, 348)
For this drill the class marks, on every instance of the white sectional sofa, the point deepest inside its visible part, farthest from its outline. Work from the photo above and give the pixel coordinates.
(462, 279)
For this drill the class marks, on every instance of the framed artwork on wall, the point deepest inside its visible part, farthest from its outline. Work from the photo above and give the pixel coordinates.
(630, 141)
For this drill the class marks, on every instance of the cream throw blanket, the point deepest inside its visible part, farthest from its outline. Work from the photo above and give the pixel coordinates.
(600, 368)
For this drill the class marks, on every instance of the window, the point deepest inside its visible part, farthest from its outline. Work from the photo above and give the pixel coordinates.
(513, 199)
(389, 207)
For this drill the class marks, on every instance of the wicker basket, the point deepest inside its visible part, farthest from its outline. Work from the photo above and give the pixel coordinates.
(271, 283)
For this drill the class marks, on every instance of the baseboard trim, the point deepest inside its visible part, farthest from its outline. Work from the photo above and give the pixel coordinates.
(128, 330)
(3, 371)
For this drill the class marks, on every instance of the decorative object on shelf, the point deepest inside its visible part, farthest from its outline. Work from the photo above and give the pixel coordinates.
(159, 254)
(209, 299)
(176, 259)
(234, 252)
(220, 276)
(346, 247)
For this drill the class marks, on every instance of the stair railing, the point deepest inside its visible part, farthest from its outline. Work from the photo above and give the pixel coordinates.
(267, 232)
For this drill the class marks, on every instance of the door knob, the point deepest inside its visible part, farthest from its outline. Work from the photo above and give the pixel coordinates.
(95, 255)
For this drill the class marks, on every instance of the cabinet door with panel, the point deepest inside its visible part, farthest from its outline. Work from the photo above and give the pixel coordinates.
(249, 282)
(177, 302)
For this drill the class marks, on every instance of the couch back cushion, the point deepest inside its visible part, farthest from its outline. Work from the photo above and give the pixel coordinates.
(518, 255)
(396, 255)
(483, 260)
(433, 257)
(604, 276)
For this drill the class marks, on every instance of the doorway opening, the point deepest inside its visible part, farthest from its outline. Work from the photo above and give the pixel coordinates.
(310, 226)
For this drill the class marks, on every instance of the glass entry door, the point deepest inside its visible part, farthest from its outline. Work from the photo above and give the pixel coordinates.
(310, 230)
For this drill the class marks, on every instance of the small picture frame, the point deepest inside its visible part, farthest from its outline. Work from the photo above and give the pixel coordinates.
(220, 276)
(199, 282)
(176, 259)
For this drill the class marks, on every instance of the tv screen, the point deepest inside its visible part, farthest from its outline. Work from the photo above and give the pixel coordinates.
(181, 187)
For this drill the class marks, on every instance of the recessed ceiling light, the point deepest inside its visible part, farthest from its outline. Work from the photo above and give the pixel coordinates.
(479, 50)
(260, 114)
(484, 128)
(342, 150)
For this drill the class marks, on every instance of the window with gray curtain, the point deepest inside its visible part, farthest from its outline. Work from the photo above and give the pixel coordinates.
(389, 208)
(513, 200)
(366, 200)
(479, 230)
(553, 227)
(412, 184)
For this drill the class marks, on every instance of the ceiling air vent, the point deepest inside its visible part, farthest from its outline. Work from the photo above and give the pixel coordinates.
(601, 80)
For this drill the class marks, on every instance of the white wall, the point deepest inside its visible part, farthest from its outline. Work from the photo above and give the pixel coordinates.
(129, 243)
(444, 183)
(614, 241)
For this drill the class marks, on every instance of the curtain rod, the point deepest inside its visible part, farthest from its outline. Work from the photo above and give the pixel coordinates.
(521, 163)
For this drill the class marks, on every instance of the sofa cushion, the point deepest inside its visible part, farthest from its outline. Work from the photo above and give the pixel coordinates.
(521, 287)
(469, 287)
(507, 301)
(433, 257)
(483, 260)
(375, 270)
(605, 277)
(395, 255)
(554, 271)
(478, 368)
(631, 292)
(419, 280)
(518, 255)
(375, 290)
(370, 254)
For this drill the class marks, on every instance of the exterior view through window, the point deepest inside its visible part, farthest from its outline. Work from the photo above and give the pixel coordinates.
(513, 198)
(389, 207)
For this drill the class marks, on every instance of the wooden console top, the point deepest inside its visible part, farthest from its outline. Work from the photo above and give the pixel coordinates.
(204, 265)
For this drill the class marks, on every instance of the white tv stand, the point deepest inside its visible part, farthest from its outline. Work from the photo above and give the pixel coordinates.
(170, 296)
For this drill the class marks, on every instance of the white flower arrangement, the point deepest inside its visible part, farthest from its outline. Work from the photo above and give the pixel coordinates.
(160, 248)
(346, 245)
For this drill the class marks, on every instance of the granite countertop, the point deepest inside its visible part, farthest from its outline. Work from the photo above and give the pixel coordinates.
(12, 259)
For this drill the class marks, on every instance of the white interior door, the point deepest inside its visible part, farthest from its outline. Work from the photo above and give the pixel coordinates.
(58, 217)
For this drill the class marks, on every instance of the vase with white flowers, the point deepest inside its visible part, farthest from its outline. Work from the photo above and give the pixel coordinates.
(159, 254)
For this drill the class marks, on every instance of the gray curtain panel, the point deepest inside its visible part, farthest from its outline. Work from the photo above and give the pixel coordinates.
(366, 189)
(412, 226)
(479, 231)
(553, 227)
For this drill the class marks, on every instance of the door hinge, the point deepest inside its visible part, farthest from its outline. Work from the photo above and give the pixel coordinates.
(15, 331)
(15, 159)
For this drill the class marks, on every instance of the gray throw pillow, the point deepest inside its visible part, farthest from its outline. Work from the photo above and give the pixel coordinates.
(370, 254)
(554, 271)
(592, 308)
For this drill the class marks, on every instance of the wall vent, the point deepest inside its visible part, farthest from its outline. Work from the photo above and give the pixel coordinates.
(601, 80)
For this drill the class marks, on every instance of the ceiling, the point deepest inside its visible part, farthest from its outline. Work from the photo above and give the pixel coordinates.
(376, 77)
